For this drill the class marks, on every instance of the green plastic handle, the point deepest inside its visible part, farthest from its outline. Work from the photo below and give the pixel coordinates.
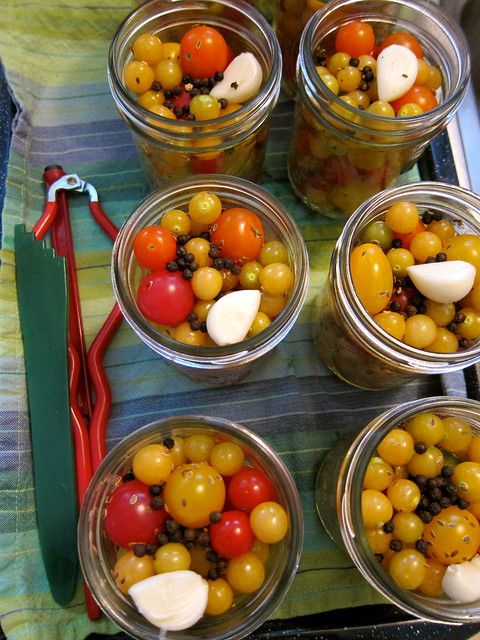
(43, 307)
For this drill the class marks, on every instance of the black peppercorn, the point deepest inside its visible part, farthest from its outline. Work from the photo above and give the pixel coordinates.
(215, 516)
(395, 545)
(139, 550)
(150, 549)
(422, 546)
(168, 442)
(157, 502)
(171, 525)
(420, 447)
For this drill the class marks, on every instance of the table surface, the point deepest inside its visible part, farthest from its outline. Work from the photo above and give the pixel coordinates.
(373, 621)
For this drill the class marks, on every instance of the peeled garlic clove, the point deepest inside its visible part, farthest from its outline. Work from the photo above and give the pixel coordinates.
(461, 582)
(241, 79)
(172, 601)
(230, 318)
(397, 68)
(443, 282)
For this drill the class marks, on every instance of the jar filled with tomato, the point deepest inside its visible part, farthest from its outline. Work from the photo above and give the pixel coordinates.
(196, 83)
(247, 246)
(410, 520)
(377, 81)
(360, 287)
(232, 536)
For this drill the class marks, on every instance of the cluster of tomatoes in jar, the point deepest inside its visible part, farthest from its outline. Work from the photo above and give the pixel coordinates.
(343, 155)
(421, 505)
(418, 278)
(210, 275)
(197, 510)
(196, 80)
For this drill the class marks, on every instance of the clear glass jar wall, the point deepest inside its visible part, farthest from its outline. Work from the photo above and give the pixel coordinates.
(338, 498)
(234, 143)
(341, 155)
(98, 554)
(364, 355)
(224, 365)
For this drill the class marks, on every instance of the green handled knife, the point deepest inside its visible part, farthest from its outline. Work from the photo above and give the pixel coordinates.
(43, 307)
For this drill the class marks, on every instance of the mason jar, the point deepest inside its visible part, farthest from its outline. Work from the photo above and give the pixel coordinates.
(211, 364)
(98, 554)
(234, 143)
(338, 498)
(347, 338)
(340, 154)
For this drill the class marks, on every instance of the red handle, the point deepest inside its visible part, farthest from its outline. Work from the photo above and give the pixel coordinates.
(83, 463)
(103, 396)
(103, 221)
(46, 220)
(62, 241)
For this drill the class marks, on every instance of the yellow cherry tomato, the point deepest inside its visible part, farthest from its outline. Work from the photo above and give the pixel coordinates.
(372, 277)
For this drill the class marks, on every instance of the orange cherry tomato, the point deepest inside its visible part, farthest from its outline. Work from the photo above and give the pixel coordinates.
(418, 94)
(405, 40)
(407, 238)
(355, 38)
(239, 234)
(154, 246)
(372, 277)
(203, 52)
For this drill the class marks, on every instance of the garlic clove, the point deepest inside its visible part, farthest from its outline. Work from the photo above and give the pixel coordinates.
(230, 318)
(172, 601)
(241, 79)
(461, 582)
(443, 282)
(397, 68)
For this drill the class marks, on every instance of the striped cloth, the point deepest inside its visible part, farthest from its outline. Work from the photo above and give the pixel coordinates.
(55, 60)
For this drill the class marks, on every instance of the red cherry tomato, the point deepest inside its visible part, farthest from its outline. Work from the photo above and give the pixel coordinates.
(202, 163)
(232, 535)
(405, 40)
(250, 487)
(165, 298)
(182, 99)
(355, 38)
(404, 296)
(129, 518)
(154, 246)
(418, 94)
(407, 238)
(203, 52)
(239, 234)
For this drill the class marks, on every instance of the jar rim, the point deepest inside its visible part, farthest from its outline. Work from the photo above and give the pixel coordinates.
(319, 96)
(356, 317)
(255, 110)
(217, 357)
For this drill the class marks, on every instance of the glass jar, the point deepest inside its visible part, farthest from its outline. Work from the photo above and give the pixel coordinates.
(341, 155)
(290, 18)
(98, 554)
(338, 499)
(234, 143)
(364, 355)
(219, 365)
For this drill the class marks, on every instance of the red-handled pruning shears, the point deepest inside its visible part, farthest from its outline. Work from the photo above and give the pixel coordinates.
(86, 373)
